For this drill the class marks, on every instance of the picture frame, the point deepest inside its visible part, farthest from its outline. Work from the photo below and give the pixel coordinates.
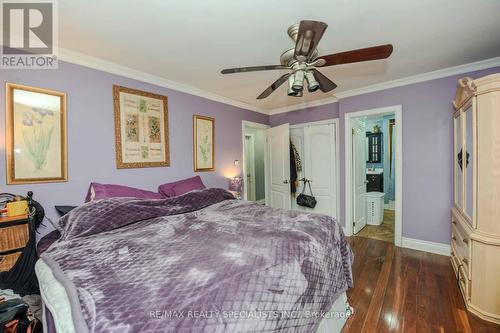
(203, 143)
(141, 128)
(36, 135)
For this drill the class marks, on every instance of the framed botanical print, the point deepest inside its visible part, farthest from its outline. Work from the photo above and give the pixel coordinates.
(35, 135)
(141, 129)
(203, 143)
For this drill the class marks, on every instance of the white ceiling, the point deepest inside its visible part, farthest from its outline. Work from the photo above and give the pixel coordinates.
(189, 42)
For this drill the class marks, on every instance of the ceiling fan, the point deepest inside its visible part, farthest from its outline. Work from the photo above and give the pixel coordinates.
(303, 60)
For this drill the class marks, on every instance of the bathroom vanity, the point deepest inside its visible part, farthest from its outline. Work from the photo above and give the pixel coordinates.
(375, 180)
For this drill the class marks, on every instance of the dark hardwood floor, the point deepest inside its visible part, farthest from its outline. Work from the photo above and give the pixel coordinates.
(403, 290)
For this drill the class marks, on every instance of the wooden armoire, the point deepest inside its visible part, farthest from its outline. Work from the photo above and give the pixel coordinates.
(475, 229)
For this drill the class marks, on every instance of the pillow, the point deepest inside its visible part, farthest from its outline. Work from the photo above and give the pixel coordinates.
(100, 216)
(63, 210)
(102, 191)
(47, 240)
(182, 186)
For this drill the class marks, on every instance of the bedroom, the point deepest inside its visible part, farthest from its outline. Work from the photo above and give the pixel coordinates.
(440, 273)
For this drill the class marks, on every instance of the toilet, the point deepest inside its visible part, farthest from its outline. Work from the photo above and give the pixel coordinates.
(374, 208)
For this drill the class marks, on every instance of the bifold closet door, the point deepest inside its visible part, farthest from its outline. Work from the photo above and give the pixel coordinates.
(319, 153)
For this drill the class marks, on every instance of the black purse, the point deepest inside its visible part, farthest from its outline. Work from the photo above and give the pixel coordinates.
(304, 199)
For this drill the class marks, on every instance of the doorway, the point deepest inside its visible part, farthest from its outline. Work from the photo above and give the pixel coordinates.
(373, 173)
(250, 167)
(254, 161)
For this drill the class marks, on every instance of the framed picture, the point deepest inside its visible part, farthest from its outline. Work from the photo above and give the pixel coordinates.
(203, 143)
(141, 129)
(35, 135)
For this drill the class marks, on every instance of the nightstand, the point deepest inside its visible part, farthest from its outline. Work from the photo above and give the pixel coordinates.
(14, 236)
(18, 255)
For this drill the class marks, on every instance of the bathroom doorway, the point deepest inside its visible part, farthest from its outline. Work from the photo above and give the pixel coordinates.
(254, 162)
(373, 174)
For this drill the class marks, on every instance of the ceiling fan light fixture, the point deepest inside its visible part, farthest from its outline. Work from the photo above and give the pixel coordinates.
(303, 61)
(298, 82)
(290, 90)
(312, 84)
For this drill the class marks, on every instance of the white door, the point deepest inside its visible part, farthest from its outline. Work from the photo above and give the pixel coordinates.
(359, 174)
(278, 148)
(249, 167)
(319, 143)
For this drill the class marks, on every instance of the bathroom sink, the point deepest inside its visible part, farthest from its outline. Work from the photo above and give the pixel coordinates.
(376, 171)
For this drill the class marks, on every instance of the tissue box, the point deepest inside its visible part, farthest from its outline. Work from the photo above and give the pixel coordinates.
(15, 208)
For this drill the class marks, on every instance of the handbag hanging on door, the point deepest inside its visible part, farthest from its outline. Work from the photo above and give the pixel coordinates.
(306, 200)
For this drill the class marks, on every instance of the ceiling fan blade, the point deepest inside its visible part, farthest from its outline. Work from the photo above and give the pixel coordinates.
(308, 37)
(251, 69)
(274, 86)
(325, 84)
(366, 54)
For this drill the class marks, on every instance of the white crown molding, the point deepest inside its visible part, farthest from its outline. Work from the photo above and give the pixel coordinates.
(432, 247)
(113, 68)
(438, 74)
(304, 105)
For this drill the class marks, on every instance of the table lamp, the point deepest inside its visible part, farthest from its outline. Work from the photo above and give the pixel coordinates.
(235, 184)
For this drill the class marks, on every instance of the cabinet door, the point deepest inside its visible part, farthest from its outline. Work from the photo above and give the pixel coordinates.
(468, 161)
(457, 160)
(374, 153)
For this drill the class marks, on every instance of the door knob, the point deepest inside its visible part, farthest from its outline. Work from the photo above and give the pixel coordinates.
(285, 181)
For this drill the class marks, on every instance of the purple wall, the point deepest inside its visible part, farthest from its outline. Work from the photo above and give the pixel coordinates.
(328, 111)
(91, 143)
(427, 148)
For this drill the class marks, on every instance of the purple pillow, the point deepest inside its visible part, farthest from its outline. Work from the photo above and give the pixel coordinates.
(101, 191)
(182, 186)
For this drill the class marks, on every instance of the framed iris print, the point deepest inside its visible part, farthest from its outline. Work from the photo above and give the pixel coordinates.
(35, 135)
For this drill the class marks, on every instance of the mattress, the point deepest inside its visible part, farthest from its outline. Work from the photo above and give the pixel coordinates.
(57, 315)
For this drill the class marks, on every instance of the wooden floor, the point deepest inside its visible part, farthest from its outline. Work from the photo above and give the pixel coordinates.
(403, 290)
(384, 232)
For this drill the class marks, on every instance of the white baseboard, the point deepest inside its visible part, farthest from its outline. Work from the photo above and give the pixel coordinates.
(344, 229)
(421, 245)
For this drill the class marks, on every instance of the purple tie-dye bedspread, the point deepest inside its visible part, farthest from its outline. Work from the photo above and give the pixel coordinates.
(200, 262)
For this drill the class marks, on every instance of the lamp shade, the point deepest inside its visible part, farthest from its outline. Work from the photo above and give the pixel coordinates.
(235, 184)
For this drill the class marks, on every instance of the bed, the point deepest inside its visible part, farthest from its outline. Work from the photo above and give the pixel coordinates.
(199, 262)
